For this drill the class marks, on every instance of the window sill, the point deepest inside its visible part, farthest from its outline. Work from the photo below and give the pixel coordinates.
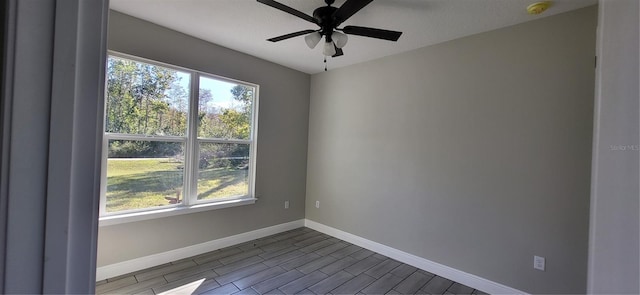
(153, 214)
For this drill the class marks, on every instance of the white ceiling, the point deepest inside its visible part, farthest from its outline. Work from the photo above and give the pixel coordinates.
(244, 25)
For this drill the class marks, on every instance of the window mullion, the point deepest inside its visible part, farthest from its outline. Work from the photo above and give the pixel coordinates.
(120, 136)
(191, 161)
(111, 136)
(217, 140)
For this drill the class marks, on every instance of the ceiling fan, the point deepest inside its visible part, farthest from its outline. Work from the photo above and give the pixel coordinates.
(328, 18)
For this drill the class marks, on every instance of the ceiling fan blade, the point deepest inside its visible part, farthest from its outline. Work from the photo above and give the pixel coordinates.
(291, 35)
(288, 10)
(339, 52)
(372, 32)
(349, 8)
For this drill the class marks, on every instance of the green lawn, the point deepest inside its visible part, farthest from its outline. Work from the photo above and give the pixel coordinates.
(144, 183)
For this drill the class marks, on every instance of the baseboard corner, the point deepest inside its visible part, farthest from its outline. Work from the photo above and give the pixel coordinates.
(444, 271)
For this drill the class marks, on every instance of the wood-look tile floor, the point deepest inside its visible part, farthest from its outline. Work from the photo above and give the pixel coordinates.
(300, 261)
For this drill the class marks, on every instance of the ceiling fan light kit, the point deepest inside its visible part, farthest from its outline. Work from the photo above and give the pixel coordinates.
(312, 39)
(329, 49)
(328, 18)
(339, 39)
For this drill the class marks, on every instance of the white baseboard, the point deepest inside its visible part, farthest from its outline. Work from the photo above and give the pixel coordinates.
(117, 269)
(444, 271)
(120, 268)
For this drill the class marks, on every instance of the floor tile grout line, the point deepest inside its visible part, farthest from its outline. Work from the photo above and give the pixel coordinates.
(423, 285)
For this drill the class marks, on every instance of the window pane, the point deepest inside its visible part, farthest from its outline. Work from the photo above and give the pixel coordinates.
(146, 99)
(144, 174)
(223, 170)
(224, 109)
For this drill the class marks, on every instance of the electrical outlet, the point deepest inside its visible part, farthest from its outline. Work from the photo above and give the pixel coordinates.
(286, 204)
(317, 204)
(538, 263)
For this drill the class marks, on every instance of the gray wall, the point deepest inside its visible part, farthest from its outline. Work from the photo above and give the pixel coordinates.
(614, 266)
(282, 143)
(473, 153)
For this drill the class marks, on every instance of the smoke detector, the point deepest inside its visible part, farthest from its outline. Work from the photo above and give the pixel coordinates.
(538, 7)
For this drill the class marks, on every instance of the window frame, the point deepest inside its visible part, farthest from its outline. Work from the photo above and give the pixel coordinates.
(191, 141)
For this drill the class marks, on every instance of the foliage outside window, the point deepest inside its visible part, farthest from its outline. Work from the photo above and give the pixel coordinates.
(174, 137)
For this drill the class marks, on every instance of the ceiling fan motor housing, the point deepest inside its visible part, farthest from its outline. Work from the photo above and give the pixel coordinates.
(325, 19)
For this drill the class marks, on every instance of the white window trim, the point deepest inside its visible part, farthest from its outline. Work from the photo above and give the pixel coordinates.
(190, 203)
(172, 211)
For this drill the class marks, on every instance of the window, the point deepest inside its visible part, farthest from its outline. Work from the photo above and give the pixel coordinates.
(175, 138)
